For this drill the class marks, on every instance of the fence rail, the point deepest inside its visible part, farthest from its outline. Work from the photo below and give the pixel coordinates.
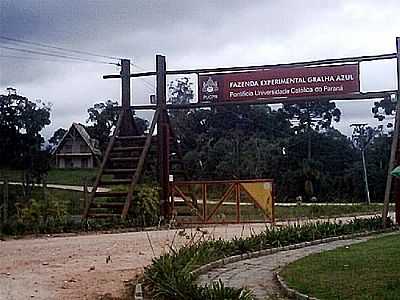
(223, 201)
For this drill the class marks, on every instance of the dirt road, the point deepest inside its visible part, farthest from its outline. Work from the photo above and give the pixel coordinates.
(88, 266)
(78, 267)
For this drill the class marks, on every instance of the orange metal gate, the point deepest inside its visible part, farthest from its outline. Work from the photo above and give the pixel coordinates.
(224, 201)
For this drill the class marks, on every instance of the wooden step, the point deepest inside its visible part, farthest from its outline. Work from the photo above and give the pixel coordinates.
(132, 137)
(108, 205)
(126, 149)
(103, 215)
(111, 194)
(128, 158)
(135, 137)
(118, 171)
(115, 182)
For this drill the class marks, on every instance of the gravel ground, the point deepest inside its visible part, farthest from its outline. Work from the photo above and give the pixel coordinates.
(77, 267)
(89, 266)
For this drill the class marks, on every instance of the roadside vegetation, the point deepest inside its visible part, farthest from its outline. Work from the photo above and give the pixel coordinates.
(369, 270)
(55, 211)
(50, 210)
(320, 211)
(169, 276)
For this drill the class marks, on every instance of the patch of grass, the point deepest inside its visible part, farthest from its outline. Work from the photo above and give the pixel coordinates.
(71, 176)
(369, 270)
(58, 176)
(251, 213)
(170, 278)
(316, 211)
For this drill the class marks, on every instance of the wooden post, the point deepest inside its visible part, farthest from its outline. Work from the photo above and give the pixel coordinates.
(204, 188)
(5, 200)
(125, 83)
(273, 202)
(45, 198)
(394, 148)
(163, 135)
(85, 195)
(237, 194)
(128, 126)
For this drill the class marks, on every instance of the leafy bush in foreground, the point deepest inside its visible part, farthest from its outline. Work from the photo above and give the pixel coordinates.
(169, 276)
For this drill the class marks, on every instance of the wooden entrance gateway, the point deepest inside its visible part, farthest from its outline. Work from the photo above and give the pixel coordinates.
(126, 153)
(223, 202)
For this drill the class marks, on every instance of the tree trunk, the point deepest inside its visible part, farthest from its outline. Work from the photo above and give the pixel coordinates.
(365, 176)
(309, 141)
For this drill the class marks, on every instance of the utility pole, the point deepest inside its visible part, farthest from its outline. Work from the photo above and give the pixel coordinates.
(394, 149)
(361, 138)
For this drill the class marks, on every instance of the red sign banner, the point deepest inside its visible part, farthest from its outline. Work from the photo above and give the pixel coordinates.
(280, 83)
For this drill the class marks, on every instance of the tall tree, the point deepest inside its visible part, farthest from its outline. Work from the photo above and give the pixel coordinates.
(21, 121)
(311, 117)
(103, 117)
(362, 136)
(383, 108)
(57, 136)
(316, 114)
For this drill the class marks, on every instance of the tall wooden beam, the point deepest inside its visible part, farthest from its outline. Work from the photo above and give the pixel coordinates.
(128, 126)
(126, 83)
(396, 134)
(394, 158)
(263, 67)
(163, 135)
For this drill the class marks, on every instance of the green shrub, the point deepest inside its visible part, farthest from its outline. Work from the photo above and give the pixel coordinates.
(145, 208)
(145, 205)
(169, 276)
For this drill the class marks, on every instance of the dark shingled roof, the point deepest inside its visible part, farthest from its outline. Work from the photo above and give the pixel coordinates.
(85, 136)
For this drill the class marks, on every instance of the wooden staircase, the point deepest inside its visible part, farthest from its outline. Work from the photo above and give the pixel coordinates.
(120, 170)
(123, 165)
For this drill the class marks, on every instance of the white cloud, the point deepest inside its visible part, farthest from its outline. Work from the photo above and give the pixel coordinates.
(191, 34)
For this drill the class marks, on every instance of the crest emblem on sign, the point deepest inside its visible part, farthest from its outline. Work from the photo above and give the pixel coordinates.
(210, 86)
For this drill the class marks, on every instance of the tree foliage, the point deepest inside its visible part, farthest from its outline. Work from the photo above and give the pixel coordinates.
(21, 121)
(383, 108)
(103, 117)
(256, 141)
(317, 114)
(57, 136)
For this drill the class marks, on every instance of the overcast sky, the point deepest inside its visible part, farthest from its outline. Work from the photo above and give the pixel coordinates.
(191, 34)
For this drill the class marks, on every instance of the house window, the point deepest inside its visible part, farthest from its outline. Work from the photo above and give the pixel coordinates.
(69, 163)
(84, 163)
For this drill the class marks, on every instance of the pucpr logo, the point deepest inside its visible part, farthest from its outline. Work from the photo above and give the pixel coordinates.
(210, 86)
(210, 89)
